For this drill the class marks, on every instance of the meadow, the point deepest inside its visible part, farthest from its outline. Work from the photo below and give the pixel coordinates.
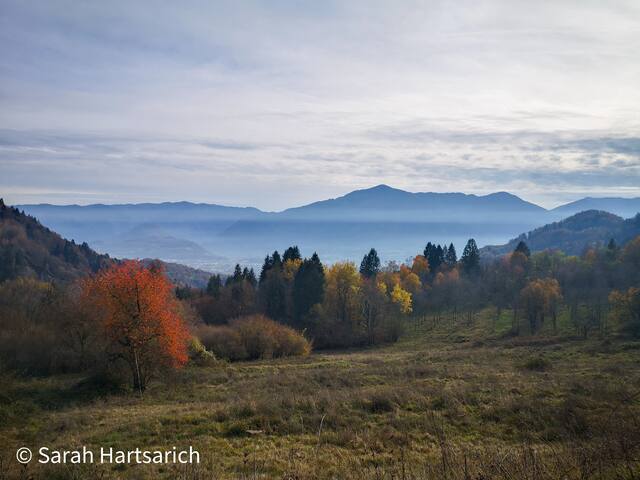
(450, 400)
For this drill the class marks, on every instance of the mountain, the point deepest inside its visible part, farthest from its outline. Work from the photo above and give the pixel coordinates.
(214, 237)
(573, 234)
(29, 249)
(384, 203)
(623, 207)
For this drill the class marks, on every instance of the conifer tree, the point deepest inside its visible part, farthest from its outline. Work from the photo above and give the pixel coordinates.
(451, 258)
(470, 257)
(370, 265)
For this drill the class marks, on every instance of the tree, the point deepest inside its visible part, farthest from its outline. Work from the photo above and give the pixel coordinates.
(540, 297)
(370, 265)
(434, 255)
(214, 285)
(342, 291)
(451, 258)
(237, 276)
(626, 310)
(140, 317)
(523, 248)
(402, 299)
(291, 253)
(308, 287)
(471, 257)
(420, 267)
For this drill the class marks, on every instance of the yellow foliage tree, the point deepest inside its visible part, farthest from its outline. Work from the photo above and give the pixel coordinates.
(402, 299)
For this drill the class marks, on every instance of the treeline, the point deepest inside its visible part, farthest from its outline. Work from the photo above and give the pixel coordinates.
(342, 305)
(335, 306)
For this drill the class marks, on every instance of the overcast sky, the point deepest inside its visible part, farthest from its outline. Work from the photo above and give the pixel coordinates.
(276, 104)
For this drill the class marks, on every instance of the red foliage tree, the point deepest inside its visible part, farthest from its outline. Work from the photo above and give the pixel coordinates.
(141, 319)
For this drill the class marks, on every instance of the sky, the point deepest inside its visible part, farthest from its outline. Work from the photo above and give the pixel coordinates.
(276, 104)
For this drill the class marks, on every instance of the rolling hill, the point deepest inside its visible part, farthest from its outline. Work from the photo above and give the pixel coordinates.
(573, 234)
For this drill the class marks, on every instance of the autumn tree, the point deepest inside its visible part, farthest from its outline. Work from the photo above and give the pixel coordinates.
(540, 298)
(140, 317)
(625, 308)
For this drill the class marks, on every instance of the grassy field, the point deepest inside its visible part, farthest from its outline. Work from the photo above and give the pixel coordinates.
(459, 401)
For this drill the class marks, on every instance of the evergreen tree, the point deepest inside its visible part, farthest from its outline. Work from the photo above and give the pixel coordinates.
(266, 266)
(276, 260)
(250, 277)
(291, 253)
(370, 265)
(273, 294)
(451, 257)
(214, 286)
(612, 245)
(438, 257)
(308, 287)
(523, 248)
(434, 255)
(236, 277)
(428, 252)
(471, 257)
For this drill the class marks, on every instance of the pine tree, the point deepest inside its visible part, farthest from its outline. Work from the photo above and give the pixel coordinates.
(214, 286)
(470, 257)
(291, 253)
(308, 287)
(276, 259)
(451, 257)
(370, 265)
(251, 278)
(523, 248)
(266, 266)
(236, 277)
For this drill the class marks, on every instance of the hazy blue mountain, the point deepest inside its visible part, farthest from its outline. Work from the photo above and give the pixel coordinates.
(573, 234)
(623, 207)
(215, 237)
(384, 203)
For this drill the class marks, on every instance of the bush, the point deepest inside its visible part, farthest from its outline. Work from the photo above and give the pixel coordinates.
(537, 364)
(199, 355)
(223, 341)
(251, 338)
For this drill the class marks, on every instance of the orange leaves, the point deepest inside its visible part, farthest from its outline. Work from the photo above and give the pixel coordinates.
(139, 312)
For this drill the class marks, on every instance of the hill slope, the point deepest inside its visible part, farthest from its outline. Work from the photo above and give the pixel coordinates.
(29, 249)
(573, 234)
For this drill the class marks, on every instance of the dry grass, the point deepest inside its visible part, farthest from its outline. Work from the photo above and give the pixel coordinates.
(442, 403)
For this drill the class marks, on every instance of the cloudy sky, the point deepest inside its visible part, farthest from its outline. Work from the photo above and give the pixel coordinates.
(276, 103)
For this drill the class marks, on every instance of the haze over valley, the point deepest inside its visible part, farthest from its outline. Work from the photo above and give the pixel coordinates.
(398, 223)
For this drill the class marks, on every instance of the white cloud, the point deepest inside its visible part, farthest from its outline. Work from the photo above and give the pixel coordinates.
(279, 103)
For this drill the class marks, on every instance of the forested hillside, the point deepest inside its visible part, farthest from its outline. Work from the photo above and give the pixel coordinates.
(574, 234)
(29, 249)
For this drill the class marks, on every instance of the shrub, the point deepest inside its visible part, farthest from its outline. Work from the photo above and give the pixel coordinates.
(253, 337)
(199, 355)
(223, 341)
(537, 364)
